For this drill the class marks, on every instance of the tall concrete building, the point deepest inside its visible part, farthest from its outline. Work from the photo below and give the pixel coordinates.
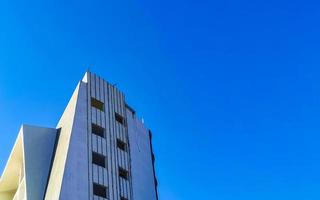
(99, 150)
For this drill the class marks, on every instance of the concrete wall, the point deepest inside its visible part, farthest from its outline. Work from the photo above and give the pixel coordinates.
(143, 183)
(68, 179)
(114, 102)
(38, 149)
(75, 184)
(6, 195)
(72, 172)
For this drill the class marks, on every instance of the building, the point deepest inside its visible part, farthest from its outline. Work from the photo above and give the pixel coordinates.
(99, 150)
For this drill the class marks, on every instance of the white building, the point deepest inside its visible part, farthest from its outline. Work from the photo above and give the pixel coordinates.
(99, 150)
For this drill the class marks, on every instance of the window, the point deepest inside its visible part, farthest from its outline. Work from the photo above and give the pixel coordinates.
(119, 118)
(97, 130)
(123, 198)
(97, 104)
(123, 173)
(121, 145)
(98, 159)
(99, 190)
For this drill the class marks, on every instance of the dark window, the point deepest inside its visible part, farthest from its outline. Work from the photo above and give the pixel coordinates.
(97, 104)
(98, 159)
(99, 190)
(119, 118)
(123, 198)
(121, 145)
(97, 130)
(123, 173)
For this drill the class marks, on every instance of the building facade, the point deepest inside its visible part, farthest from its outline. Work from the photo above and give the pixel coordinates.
(99, 150)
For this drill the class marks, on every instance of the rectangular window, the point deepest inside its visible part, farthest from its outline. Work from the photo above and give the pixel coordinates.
(97, 104)
(98, 159)
(121, 145)
(123, 173)
(97, 130)
(119, 118)
(99, 190)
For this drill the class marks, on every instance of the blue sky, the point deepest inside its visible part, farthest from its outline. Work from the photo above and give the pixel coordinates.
(231, 88)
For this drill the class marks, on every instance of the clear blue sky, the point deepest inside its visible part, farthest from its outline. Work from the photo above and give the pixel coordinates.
(231, 89)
